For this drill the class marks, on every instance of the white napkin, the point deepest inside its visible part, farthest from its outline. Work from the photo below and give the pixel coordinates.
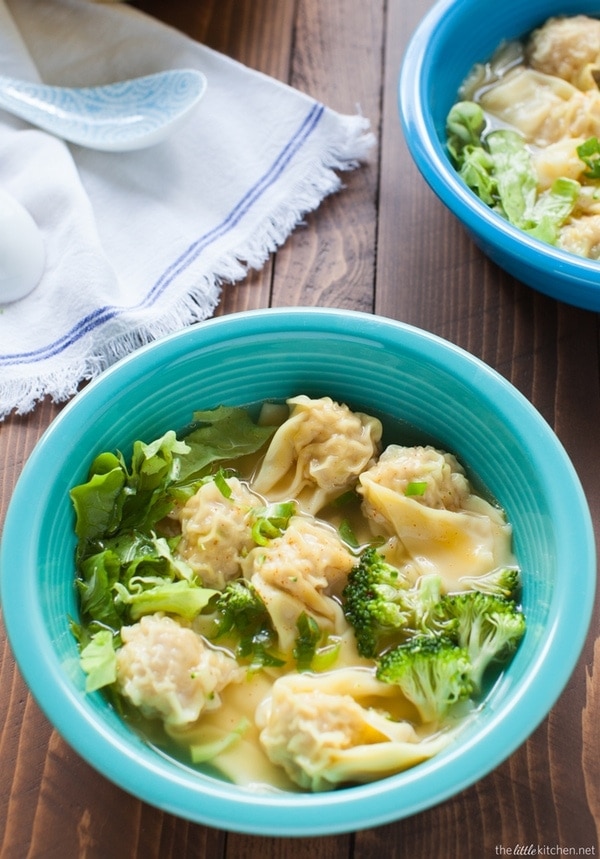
(138, 244)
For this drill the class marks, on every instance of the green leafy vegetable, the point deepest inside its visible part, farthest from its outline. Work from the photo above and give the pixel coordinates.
(98, 575)
(515, 178)
(552, 209)
(348, 497)
(224, 433)
(183, 598)
(465, 125)
(117, 497)
(476, 170)
(98, 502)
(125, 567)
(498, 167)
(99, 661)
(130, 563)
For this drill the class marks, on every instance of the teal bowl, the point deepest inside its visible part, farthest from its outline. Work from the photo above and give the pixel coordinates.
(450, 39)
(420, 383)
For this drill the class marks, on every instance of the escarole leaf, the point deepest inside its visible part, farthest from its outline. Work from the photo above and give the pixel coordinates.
(540, 216)
(154, 467)
(477, 171)
(98, 660)
(465, 125)
(498, 167)
(515, 177)
(114, 497)
(226, 432)
(552, 209)
(126, 566)
(137, 574)
(183, 598)
(97, 577)
(117, 497)
(98, 502)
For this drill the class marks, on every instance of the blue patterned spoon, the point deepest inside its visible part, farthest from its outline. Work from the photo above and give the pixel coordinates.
(116, 117)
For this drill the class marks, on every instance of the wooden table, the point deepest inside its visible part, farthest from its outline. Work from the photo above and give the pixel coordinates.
(383, 245)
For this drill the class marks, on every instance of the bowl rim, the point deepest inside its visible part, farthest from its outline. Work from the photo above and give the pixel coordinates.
(490, 230)
(350, 809)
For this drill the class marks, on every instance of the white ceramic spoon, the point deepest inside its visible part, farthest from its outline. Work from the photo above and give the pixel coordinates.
(115, 117)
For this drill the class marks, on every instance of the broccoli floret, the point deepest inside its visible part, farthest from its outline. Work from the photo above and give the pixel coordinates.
(501, 582)
(383, 608)
(488, 626)
(242, 618)
(373, 602)
(432, 672)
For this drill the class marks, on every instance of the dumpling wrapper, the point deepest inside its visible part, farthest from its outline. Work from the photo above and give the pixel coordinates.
(334, 728)
(544, 108)
(451, 544)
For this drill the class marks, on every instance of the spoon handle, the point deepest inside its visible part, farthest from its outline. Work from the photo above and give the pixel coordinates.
(19, 98)
(121, 115)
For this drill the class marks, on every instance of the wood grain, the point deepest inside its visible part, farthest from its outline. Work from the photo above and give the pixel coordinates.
(385, 243)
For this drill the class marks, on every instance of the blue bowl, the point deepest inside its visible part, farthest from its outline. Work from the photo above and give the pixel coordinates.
(450, 39)
(416, 380)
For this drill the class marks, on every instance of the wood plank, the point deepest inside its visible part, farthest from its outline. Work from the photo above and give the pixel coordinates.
(337, 60)
(431, 274)
(330, 260)
(259, 35)
(385, 243)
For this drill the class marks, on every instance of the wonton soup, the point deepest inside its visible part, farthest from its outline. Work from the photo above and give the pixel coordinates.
(525, 134)
(289, 599)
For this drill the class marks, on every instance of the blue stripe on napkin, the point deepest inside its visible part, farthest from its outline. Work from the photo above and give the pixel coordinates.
(105, 314)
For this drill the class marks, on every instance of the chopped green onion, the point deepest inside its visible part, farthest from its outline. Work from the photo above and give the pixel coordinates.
(271, 521)
(309, 635)
(263, 531)
(347, 534)
(589, 152)
(416, 487)
(345, 498)
(221, 484)
(206, 751)
(325, 656)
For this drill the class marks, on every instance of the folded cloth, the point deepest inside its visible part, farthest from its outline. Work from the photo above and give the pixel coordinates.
(138, 244)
